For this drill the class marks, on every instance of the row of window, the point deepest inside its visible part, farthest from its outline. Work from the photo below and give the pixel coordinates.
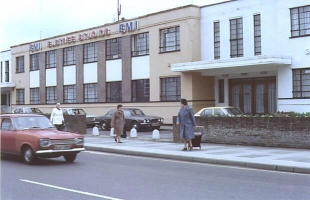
(6, 72)
(170, 91)
(169, 41)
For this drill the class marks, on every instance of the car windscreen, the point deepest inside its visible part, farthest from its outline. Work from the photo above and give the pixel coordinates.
(234, 111)
(136, 112)
(29, 122)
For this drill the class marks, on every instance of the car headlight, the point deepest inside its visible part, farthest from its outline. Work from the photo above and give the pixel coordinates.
(161, 119)
(44, 142)
(146, 121)
(79, 141)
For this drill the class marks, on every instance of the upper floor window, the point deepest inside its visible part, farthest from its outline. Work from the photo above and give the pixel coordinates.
(141, 90)
(114, 49)
(114, 91)
(257, 35)
(34, 95)
(69, 56)
(217, 52)
(301, 83)
(51, 94)
(90, 92)
(34, 62)
(90, 52)
(140, 44)
(170, 89)
(20, 65)
(300, 21)
(69, 93)
(6, 71)
(236, 38)
(50, 59)
(20, 96)
(170, 39)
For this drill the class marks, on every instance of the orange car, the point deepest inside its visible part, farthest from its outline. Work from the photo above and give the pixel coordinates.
(33, 136)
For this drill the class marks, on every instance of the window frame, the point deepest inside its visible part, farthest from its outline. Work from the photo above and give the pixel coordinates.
(110, 54)
(90, 52)
(221, 90)
(301, 16)
(299, 77)
(174, 38)
(35, 95)
(140, 46)
(20, 96)
(116, 89)
(20, 64)
(140, 90)
(34, 62)
(166, 88)
(50, 57)
(217, 40)
(236, 41)
(257, 35)
(69, 91)
(6, 71)
(90, 92)
(51, 95)
(69, 56)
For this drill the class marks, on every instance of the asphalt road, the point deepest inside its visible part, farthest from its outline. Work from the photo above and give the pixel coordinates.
(97, 175)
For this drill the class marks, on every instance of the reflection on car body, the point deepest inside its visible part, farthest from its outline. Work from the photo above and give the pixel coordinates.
(219, 111)
(35, 136)
(134, 118)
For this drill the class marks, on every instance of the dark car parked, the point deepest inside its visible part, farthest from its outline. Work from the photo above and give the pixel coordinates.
(134, 118)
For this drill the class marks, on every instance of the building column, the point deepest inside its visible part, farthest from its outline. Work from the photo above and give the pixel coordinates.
(79, 73)
(101, 65)
(42, 78)
(126, 69)
(60, 75)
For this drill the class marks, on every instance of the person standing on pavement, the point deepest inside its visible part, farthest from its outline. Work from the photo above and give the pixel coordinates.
(118, 122)
(187, 122)
(57, 117)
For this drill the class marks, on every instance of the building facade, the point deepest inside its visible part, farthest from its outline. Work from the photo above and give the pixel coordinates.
(126, 62)
(7, 84)
(258, 53)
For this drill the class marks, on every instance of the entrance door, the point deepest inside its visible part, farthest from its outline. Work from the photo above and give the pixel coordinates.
(254, 95)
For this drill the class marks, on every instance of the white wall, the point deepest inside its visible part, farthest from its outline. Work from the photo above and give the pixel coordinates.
(51, 77)
(114, 70)
(141, 67)
(35, 79)
(70, 75)
(6, 56)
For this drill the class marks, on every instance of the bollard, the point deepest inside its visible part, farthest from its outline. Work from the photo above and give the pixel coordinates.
(133, 133)
(95, 131)
(156, 135)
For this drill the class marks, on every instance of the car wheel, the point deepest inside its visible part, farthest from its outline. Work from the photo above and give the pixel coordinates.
(70, 157)
(135, 125)
(103, 125)
(28, 155)
(155, 127)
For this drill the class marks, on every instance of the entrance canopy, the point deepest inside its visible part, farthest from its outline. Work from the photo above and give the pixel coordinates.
(7, 87)
(234, 65)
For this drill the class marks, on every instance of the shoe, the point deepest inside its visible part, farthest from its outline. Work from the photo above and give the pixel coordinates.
(119, 142)
(184, 149)
(190, 148)
(115, 139)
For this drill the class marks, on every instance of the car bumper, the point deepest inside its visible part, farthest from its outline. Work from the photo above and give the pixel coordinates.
(149, 125)
(52, 151)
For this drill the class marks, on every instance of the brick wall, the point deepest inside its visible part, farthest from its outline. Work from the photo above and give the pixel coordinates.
(291, 132)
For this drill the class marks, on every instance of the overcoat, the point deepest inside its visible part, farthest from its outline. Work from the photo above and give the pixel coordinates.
(57, 116)
(187, 122)
(118, 122)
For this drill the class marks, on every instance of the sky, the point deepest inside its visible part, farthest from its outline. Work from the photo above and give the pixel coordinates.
(23, 21)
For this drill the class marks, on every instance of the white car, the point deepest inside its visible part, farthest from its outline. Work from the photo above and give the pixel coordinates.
(219, 111)
(90, 119)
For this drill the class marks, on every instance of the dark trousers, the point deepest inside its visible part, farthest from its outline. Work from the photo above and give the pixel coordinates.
(58, 126)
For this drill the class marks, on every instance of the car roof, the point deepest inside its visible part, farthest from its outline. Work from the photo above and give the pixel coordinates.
(219, 107)
(19, 115)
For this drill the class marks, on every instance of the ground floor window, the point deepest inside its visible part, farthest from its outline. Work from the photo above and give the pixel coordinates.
(170, 89)
(51, 94)
(34, 95)
(20, 96)
(253, 95)
(69, 94)
(114, 91)
(90, 92)
(301, 83)
(141, 90)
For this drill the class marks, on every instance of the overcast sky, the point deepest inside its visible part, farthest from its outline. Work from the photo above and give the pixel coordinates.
(23, 21)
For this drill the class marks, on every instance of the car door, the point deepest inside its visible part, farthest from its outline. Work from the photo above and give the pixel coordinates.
(8, 136)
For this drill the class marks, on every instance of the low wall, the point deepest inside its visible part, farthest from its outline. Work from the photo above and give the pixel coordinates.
(293, 132)
(74, 123)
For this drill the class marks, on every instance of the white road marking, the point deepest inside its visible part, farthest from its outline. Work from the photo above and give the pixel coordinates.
(71, 190)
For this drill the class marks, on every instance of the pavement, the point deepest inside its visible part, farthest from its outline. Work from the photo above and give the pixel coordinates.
(266, 158)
